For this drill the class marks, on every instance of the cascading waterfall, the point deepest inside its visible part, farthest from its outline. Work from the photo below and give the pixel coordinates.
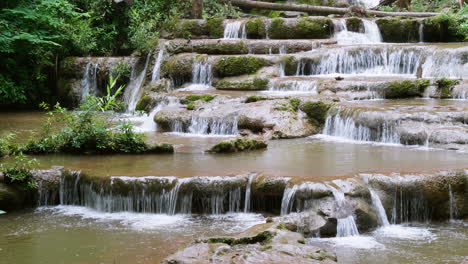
(89, 81)
(235, 30)
(133, 89)
(365, 3)
(147, 122)
(343, 36)
(346, 225)
(162, 195)
(345, 126)
(248, 193)
(372, 61)
(409, 206)
(446, 63)
(213, 126)
(377, 203)
(452, 208)
(202, 76)
(421, 32)
(302, 86)
(288, 199)
(156, 74)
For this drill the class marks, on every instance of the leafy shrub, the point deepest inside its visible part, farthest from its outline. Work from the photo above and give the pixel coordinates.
(6, 146)
(20, 172)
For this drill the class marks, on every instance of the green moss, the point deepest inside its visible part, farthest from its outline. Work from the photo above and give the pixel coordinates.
(143, 104)
(290, 65)
(215, 27)
(195, 97)
(254, 98)
(188, 28)
(354, 24)
(315, 111)
(237, 145)
(445, 87)
(178, 68)
(295, 102)
(398, 30)
(191, 106)
(235, 66)
(445, 28)
(255, 28)
(160, 148)
(405, 89)
(256, 84)
(313, 28)
(224, 48)
(301, 241)
(277, 29)
(263, 238)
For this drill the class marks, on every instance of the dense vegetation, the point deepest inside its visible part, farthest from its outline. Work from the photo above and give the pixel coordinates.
(36, 34)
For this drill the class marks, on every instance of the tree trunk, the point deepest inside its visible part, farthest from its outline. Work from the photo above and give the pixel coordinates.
(197, 9)
(323, 10)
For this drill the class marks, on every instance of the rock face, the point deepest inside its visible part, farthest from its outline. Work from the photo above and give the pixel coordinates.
(264, 243)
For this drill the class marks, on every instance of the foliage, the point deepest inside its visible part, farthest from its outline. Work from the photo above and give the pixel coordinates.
(316, 111)
(214, 8)
(88, 131)
(20, 172)
(110, 102)
(445, 87)
(6, 146)
(405, 89)
(121, 70)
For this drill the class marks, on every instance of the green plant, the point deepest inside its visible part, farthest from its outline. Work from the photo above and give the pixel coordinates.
(110, 102)
(20, 172)
(316, 112)
(6, 146)
(295, 102)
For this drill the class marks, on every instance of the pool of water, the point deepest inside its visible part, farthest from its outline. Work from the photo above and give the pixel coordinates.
(75, 235)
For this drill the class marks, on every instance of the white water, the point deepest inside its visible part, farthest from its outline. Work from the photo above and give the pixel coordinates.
(248, 193)
(365, 3)
(371, 33)
(346, 225)
(235, 30)
(156, 74)
(287, 201)
(452, 207)
(421, 32)
(146, 123)
(377, 203)
(202, 77)
(445, 63)
(133, 89)
(89, 80)
(346, 127)
(212, 126)
(293, 86)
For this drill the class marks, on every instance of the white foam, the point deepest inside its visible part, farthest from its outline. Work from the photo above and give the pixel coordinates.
(137, 221)
(405, 233)
(358, 242)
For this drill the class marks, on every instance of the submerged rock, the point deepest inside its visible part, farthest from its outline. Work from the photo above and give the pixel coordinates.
(264, 243)
(238, 145)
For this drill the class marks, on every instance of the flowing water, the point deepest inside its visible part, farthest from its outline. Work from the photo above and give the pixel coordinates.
(133, 89)
(235, 30)
(89, 80)
(156, 73)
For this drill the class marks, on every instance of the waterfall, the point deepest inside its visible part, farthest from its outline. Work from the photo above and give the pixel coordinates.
(156, 74)
(287, 201)
(365, 3)
(371, 61)
(235, 30)
(452, 207)
(446, 63)
(89, 80)
(344, 126)
(201, 73)
(133, 89)
(372, 31)
(421, 32)
(213, 126)
(343, 36)
(146, 123)
(301, 86)
(377, 203)
(346, 225)
(162, 195)
(248, 193)
(283, 50)
(410, 205)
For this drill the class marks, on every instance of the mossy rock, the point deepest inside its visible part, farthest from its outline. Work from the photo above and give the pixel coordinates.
(143, 103)
(160, 148)
(238, 65)
(354, 24)
(195, 97)
(255, 84)
(179, 68)
(262, 238)
(190, 28)
(445, 87)
(214, 27)
(406, 89)
(398, 30)
(290, 65)
(255, 28)
(316, 111)
(255, 98)
(238, 145)
(224, 48)
(305, 28)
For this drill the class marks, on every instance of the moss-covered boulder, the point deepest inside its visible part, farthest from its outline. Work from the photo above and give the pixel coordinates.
(190, 28)
(238, 65)
(398, 30)
(406, 89)
(444, 28)
(214, 27)
(303, 28)
(289, 65)
(179, 68)
(143, 104)
(238, 145)
(160, 148)
(256, 84)
(354, 24)
(256, 28)
(316, 111)
(445, 87)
